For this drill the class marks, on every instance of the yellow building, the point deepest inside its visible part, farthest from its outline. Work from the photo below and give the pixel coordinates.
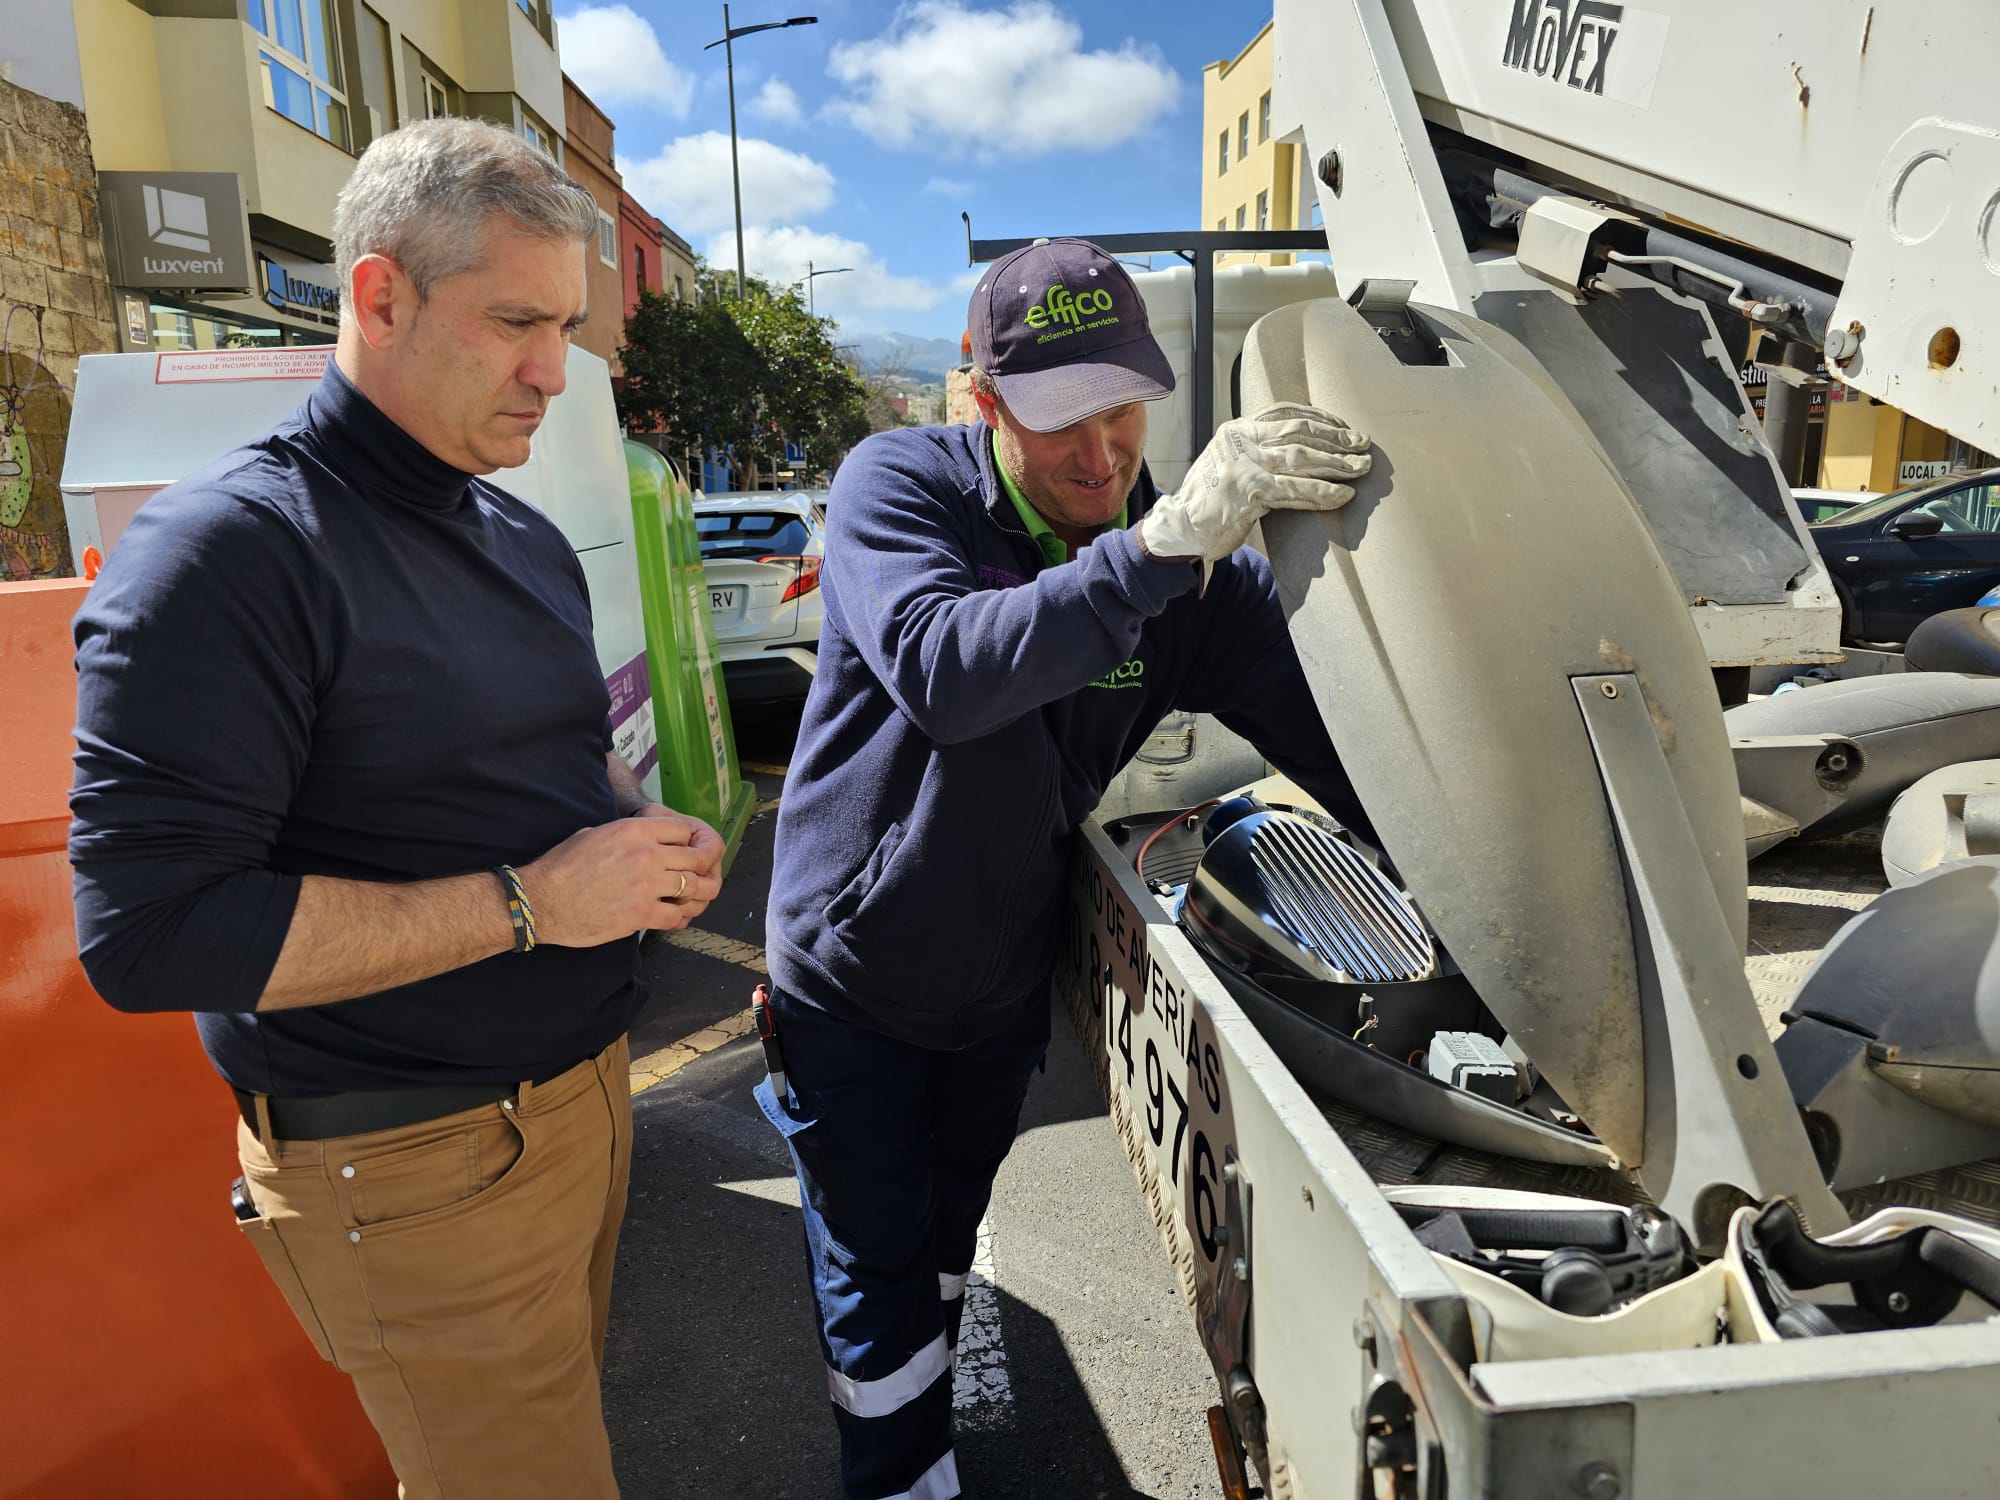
(223, 130)
(1853, 441)
(1248, 180)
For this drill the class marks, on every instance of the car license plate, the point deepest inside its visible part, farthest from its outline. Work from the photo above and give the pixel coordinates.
(720, 600)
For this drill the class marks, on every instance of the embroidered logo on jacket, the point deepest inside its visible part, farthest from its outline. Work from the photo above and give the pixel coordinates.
(999, 578)
(1124, 676)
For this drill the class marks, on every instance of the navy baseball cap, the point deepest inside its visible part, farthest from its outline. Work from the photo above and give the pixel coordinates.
(1063, 332)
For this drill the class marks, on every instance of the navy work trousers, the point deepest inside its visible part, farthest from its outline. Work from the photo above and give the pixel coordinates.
(896, 1148)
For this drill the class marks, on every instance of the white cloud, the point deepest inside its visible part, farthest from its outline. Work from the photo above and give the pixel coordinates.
(998, 82)
(615, 57)
(688, 184)
(780, 253)
(776, 101)
(949, 187)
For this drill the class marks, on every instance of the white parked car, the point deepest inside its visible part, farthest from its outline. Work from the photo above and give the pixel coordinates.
(760, 553)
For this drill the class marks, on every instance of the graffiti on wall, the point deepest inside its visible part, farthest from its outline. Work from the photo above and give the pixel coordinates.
(34, 423)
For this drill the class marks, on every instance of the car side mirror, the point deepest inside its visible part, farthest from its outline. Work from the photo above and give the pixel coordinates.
(1917, 524)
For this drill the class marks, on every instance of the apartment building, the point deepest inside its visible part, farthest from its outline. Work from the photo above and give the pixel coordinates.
(590, 157)
(653, 255)
(1249, 180)
(223, 130)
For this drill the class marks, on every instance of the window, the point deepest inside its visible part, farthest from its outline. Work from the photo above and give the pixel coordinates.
(175, 329)
(1264, 210)
(300, 56)
(531, 9)
(378, 102)
(538, 136)
(639, 265)
(437, 98)
(607, 239)
(1240, 213)
(1222, 153)
(1243, 135)
(1264, 117)
(680, 290)
(752, 534)
(1975, 509)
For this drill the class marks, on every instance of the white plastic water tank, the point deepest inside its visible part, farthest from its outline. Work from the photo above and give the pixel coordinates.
(1169, 298)
(141, 421)
(1243, 294)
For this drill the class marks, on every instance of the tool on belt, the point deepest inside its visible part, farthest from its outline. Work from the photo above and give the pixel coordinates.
(767, 1032)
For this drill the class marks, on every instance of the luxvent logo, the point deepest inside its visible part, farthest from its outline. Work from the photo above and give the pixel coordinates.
(1564, 41)
(289, 293)
(178, 220)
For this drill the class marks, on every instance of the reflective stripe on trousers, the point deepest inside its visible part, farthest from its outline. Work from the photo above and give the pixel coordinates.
(896, 1149)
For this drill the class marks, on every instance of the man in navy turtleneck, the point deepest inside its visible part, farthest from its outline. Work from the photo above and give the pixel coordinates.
(344, 790)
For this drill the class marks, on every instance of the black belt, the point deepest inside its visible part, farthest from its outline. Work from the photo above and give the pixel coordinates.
(334, 1115)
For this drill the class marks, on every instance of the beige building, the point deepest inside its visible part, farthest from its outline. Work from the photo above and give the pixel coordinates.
(269, 102)
(1854, 442)
(1248, 179)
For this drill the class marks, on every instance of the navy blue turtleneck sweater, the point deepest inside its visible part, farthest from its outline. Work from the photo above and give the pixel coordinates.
(330, 653)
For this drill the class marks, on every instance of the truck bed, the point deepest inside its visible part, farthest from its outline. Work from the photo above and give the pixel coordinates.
(1800, 895)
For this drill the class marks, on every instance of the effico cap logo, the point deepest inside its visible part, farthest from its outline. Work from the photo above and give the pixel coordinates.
(1059, 305)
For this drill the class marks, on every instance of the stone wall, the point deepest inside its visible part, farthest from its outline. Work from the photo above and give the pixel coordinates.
(55, 304)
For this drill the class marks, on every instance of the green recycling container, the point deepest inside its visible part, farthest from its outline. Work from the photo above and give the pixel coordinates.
(698, 773)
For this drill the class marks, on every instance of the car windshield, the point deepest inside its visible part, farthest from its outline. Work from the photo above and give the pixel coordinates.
(1895, 500)
(752, 533)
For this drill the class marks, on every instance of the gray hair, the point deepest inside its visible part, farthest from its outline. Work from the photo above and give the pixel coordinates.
(422, 195)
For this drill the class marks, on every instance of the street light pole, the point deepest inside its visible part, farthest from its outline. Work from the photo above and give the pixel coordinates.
(726, 43)
(812, 308)
(735, 172)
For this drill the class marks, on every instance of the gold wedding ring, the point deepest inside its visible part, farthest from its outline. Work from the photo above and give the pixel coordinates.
(684, 886)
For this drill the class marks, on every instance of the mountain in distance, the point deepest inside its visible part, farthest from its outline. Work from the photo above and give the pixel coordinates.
(924, 361)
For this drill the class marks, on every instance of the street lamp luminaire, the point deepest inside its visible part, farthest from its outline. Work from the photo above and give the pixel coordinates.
(729, 35)
(811, 308)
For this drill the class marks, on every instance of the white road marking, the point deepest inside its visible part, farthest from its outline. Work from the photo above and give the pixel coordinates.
(981, 1394)
(715, 945)
(783, 1190)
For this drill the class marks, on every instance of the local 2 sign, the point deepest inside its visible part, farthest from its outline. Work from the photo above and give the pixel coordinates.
(1911, 470)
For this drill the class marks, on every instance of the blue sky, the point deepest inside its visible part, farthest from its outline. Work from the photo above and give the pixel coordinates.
(864, 136)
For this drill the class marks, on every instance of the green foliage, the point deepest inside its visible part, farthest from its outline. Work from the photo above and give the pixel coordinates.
(746, 375)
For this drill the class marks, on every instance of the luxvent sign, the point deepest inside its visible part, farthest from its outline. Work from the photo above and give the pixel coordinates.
(288, 290)
(176, 230)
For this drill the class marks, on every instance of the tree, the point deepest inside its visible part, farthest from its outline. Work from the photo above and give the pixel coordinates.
(743, 376)
(879, 387)
(807, 394)
(689, 373)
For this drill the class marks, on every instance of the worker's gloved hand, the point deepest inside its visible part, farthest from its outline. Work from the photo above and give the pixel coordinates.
(1283, 458)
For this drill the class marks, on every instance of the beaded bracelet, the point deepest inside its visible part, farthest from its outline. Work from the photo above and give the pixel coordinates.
(518, 909)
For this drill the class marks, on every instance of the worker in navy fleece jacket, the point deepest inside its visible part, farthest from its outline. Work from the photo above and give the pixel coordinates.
(1011, 608)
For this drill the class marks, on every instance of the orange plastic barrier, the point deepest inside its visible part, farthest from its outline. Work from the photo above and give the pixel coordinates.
(143, 1351)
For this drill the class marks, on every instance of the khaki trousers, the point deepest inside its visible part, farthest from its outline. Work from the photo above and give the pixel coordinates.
(460, 1272)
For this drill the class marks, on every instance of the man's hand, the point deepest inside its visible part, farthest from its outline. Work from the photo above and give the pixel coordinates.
(1284, 458)
(654, 870)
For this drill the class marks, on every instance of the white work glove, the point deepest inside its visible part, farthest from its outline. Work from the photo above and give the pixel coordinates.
(1283, 458)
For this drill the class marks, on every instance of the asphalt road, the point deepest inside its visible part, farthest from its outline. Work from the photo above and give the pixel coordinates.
(1080, 1373)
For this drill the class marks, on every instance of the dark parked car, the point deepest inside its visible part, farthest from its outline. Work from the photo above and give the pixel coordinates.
(1906, 556)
